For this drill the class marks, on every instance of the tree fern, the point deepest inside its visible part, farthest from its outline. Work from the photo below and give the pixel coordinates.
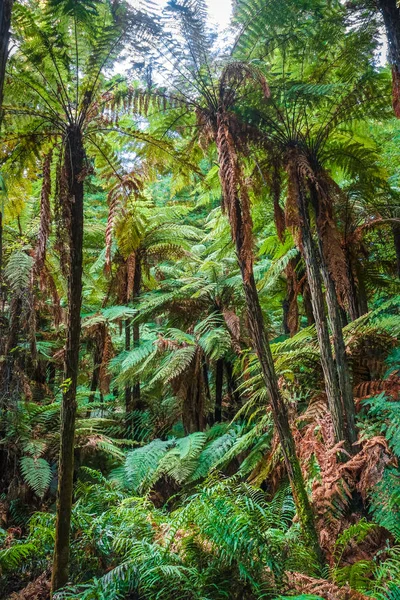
(37, 474)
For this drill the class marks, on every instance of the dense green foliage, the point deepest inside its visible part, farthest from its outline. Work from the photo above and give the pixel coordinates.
(182, 487)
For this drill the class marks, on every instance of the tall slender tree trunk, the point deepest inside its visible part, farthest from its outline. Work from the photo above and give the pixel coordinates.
(236, 202)
(137, 284)
(396, 240)
(342, 367)
(391, 16)
(128, 389)
(354, 306)
(280, 414)
(219, 379)
(341, 362)
(314, 279)
(74, 160)
(5, 23)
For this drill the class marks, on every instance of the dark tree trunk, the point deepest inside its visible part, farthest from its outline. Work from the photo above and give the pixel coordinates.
(137, 284)
(396, 240)
(94, 384)
(7, 367)
(74, 159)
(354, 305)
(314, 279)
(290, 304)
(136, 386)
(236, 202)
(219, 379)
(132, 393)
(337, 319)
(5, 23)
(281, 417)
(233, 393)
(391, 16)
(308, 309)
(128, 389)
(342, 367)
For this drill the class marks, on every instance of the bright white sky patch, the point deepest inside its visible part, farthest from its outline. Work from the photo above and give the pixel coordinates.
(219, 11)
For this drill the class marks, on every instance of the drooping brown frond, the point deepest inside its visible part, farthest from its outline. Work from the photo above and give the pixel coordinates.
(365, 469)
(233, 323)
(304, 584)
(235, 197)
(291, 215)
(236, 74)
(45, 215)
(38, 589)
(338, 481)
(130, 274)
(48, 285)
(62, 217)
(291, 304)
(396, 90)
(333, 253)
(367, 389)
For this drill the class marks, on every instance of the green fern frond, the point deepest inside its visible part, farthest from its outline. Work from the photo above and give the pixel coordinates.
(36, 473)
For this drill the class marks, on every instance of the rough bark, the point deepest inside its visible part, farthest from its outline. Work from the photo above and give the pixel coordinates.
(132, 393)
(137, 284)
(308, 309)
(5, 23)
(396, 240)
(290, 304)
(74, 159)
(354, 306)
(281, 417)
(314, 279)
(219, 378)
(342, 367)
(391, 17)
(236, 203)
(128, 389)
(337, 320)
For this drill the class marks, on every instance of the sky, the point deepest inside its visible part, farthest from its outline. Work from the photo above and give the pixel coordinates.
(219, 12)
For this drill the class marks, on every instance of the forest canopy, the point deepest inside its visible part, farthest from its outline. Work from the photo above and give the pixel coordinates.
(199, 300)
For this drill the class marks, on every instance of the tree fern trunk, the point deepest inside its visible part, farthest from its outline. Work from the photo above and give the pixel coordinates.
(314, 279)
(342, 367)
(391, 16)
(5, 23)
(137, 284)
(128, 389)
(219, 379)
(281, 417)
(396, 239)
(74, 158)
(337, 320)
(236, 203)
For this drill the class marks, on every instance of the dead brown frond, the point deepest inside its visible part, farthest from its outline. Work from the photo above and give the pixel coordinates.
(236, 200)
(39, 589)
(303, 584)
(233, 324)
(45, 215)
